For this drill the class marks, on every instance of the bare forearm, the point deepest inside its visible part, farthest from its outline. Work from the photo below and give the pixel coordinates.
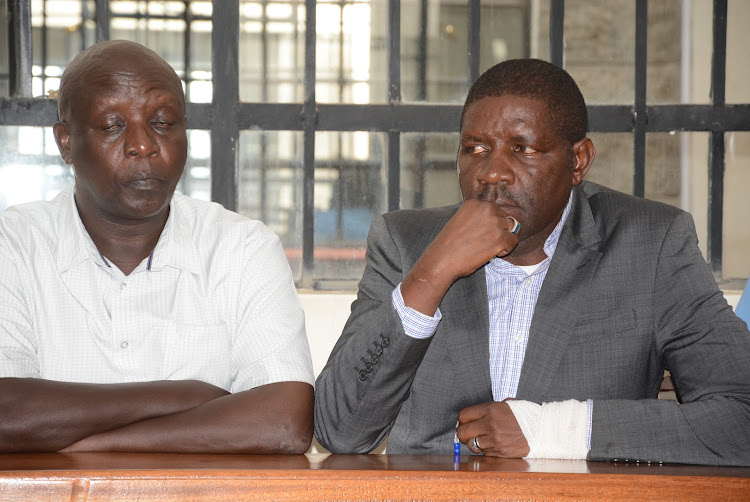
(425, 286)
(45, 415)
(274, 418)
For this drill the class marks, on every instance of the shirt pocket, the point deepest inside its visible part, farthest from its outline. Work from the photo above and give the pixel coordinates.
(603, 326)
(199, 352)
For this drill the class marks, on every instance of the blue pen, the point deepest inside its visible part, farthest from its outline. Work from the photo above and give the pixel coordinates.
(456, 442)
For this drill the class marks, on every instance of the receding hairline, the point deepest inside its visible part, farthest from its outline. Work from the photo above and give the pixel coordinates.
(108, 58)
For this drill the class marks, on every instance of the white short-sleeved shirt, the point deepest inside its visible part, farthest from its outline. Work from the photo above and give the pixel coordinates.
(214, 302)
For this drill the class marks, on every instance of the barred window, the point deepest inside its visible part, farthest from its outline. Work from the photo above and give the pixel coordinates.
(316, 116)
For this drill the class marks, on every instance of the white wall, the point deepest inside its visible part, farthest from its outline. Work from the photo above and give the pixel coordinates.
(325, 316)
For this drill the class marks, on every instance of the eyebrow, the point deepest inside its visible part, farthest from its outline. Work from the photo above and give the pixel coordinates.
(524, 139)
(518, 138)
(470, 137)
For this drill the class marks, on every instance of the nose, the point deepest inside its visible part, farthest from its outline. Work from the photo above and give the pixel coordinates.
(140, 141)
(496, 168)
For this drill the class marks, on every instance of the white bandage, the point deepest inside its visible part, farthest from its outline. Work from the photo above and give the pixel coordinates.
(553, 430)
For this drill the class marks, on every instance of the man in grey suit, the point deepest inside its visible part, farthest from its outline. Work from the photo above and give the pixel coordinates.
(541, 313)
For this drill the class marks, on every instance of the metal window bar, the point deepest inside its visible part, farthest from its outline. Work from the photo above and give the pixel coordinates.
(263, 202)
(640, 118)
(473, 42)
(716, 142)
(394, 99)
(309, 126)
(224, 123)
(43, 48)
(556, 24)
(19, 48)
(186, 42)
(102, 20)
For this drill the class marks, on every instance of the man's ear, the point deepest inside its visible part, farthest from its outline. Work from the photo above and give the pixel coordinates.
(62, 138)
(583, 153)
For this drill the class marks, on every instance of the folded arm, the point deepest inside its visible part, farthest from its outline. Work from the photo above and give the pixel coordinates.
(273, 418)
(39, 415)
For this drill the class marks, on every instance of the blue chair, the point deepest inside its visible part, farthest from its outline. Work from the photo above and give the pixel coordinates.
(743, 308)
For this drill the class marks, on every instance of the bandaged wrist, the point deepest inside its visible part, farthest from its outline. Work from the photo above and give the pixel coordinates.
(553, 430)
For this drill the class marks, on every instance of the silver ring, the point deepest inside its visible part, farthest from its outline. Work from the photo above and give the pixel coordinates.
(516, 226)
(475, 444)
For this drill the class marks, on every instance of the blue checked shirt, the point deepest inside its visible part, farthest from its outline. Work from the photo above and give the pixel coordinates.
(512, 292)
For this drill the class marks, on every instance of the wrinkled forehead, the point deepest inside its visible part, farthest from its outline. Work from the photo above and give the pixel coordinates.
(503, 105)
(115, 69)
(534, 112)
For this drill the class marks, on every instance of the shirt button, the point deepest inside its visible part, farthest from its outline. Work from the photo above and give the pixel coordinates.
(123, 285)
(518, 338)
(124, 345)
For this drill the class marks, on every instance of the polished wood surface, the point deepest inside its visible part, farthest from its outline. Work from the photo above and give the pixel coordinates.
(168, 477)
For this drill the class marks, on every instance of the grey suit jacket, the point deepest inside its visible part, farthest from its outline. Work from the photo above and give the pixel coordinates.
(627, 295)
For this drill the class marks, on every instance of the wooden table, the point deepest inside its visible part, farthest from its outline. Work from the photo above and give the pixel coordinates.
(167, 477)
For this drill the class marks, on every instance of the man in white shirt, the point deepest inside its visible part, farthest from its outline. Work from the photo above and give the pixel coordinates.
(135, 320)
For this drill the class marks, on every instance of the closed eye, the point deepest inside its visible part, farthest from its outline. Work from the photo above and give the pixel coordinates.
(524, 149)
(113, 126)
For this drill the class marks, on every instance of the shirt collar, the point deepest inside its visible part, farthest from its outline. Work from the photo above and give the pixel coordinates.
(175, 247)
(74, 245)
(551, 243)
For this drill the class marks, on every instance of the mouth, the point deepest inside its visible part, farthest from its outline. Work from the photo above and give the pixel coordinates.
(503, 202)
(497, 195)
(144, 183)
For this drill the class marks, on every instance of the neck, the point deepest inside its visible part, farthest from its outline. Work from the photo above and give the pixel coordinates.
(530, 249)
(125, 245)
(526, 254)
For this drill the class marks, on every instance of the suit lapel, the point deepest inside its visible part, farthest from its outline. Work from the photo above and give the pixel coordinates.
(466, 333)
(565, 287)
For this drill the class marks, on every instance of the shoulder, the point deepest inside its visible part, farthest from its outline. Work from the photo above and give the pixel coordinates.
(211, 218)
(630, 228)
(613, 203)
(617, 211)
(214, 228)
(34, 221)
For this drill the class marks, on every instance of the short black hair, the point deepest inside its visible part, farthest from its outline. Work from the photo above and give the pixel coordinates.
(540, 80)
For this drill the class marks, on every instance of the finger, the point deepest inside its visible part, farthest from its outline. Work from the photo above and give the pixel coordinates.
(515, 226)
(471, 413)
(505, 252)
(474, 428)
(475, 444)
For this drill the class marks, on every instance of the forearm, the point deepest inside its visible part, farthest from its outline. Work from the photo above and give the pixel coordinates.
(712, 431)
(425, 285)
(274, 418)
(39, 415)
